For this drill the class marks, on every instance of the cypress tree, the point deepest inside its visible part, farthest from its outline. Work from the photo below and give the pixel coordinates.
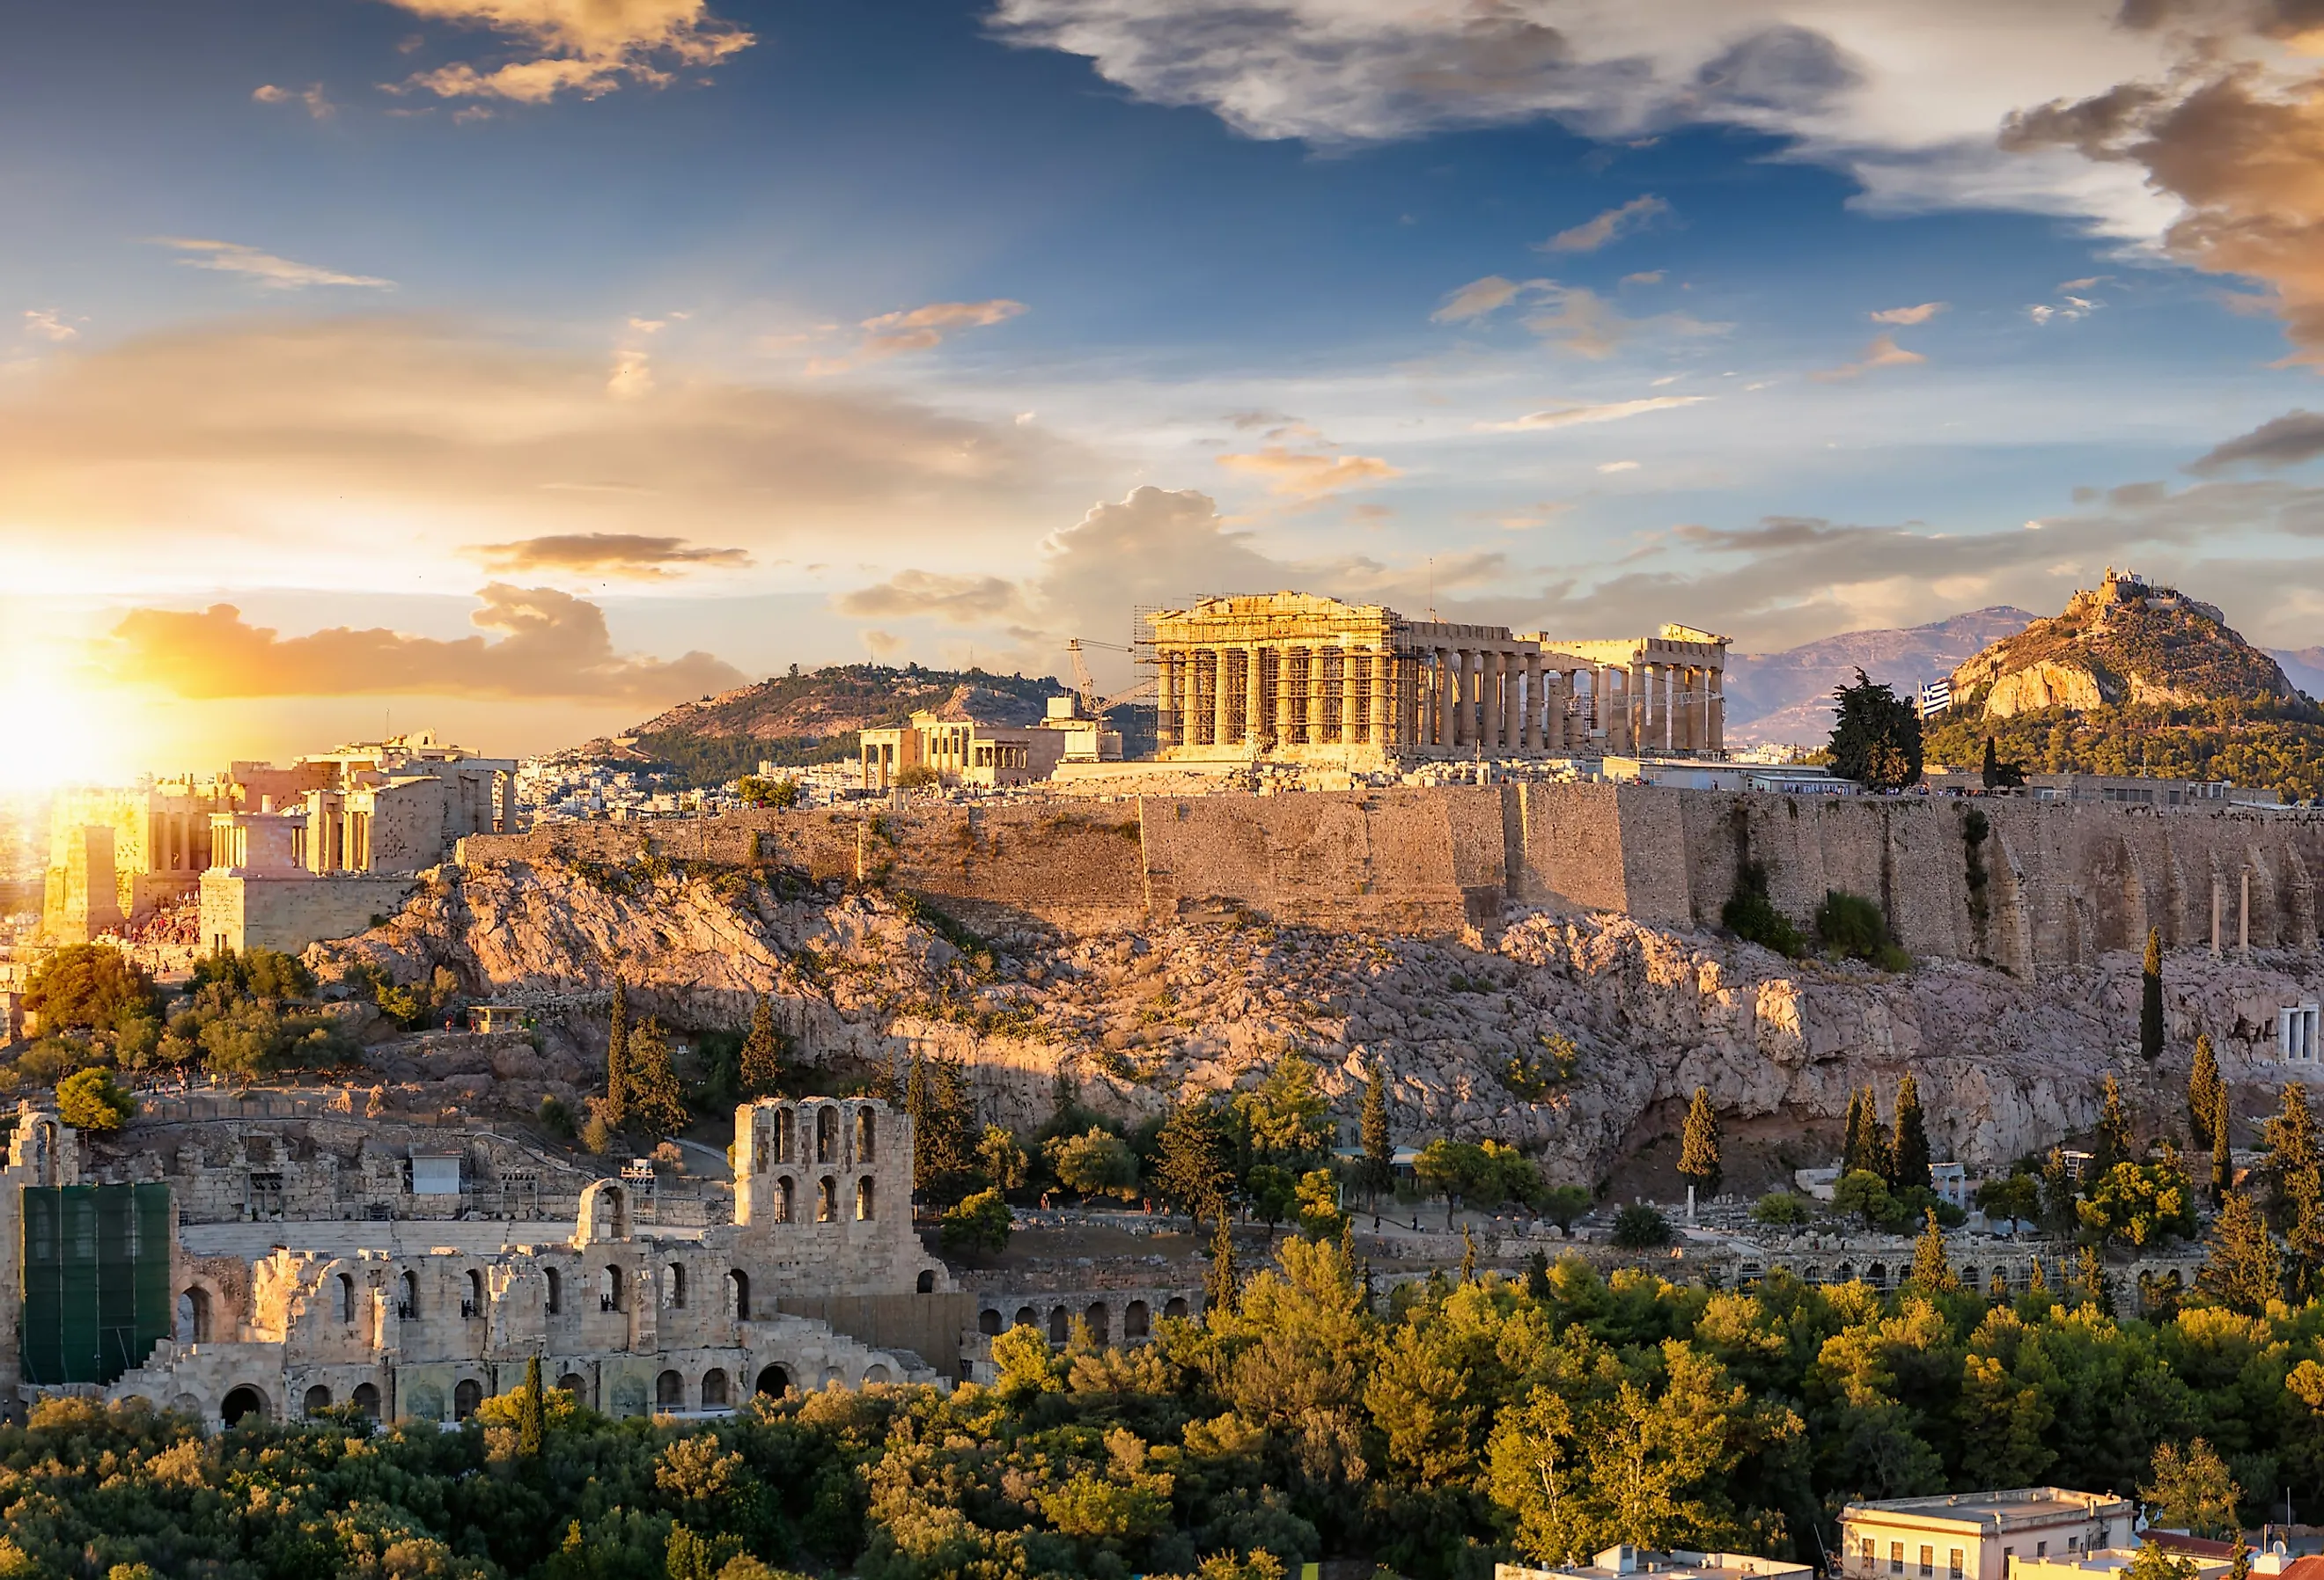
(655, 1101)
(2204, 1090)
(1852, 1145)
(2090, 1283)
(1909, 1156)
(1932, 1273)
(1468, 1256)
(2241, 1269)
(1992, 774)
(1379, 1140)
(2149, 1000)
(617, 1060)
(2298, 1171)
(1221, 1289)
(531, 1422)
(2223, 1165)
(2113, 1144)
(762, 1067)
(1879, 1152)
(2037, 1282)
(1191, 1159)
(1698, 1149)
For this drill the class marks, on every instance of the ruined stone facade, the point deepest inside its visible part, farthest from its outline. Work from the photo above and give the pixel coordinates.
(633, 1316)
(1294, 675)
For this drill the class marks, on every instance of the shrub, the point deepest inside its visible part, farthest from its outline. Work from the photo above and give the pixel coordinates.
(978, 1223)
(917, 776)
(1781, 1208)
(1752, 917)
(1562, 1204)
(90, 1101)
(1851, 927)
(1640, 1227)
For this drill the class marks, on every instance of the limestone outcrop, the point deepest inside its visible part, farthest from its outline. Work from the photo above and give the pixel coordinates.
(1137, 1016)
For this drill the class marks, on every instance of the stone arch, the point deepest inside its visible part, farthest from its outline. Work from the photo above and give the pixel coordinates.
(186, 1404)
(866, 1199)
(475, 1304)
(346, 1297)
(670, 1391)
(834, 1375)
(245, 1401)
(1100, 1321)
(714, 1390)
(784, 1203)
(1177, 1307)
(609, 1289)
(866, 1134)
(738, 1284)
(926, 1283)
(408, 1306)
(1844, 1273)
(317, 1400)
(467, 1395)
(1968, 1278)
(1061, 1325)
(1026, 1317)
(556, 1294)
(773, 1381)
(988, 1322)
(573, 1384)
(876, 1372)
(365, 1397)
(826, 1133)
(1877, 1275)
(194, 1316)
(1134, 1324)
(826, 1199)
(786, 1135)
(604, 1213)
(674, 1285)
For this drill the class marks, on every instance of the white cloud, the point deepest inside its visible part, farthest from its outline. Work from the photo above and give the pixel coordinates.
(919, 328)
(1610, 466)
(586, 47)
(1909, 315)
(2066, 310)
(1475, 299)
(1906, 96)
(1574, 416)
(274, 274)
(318, 103)
(1609, 226)
(47, 324)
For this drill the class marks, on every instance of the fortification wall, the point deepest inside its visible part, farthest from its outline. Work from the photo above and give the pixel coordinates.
(2044, 884)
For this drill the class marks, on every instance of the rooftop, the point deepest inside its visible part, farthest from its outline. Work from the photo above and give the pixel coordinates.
(1678, 1564)
(2015, 1506)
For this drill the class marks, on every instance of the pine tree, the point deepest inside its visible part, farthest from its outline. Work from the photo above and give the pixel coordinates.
(531, 1423)
(1221, 1288)
(1698, 1149)
(2149, 1000)
(1191, 1159)
(2204, 1091)
(1379, 1140)
(1932, 1273)
(1909, 1154)
(2297, 1169)
(2113, 1144)
(655, 1101)
(762, 1054)
(617, 1060)
(2241, 1268)
(2090, 1283)
(1875, 736)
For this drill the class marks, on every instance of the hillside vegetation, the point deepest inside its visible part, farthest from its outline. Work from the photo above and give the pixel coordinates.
(2278, 747)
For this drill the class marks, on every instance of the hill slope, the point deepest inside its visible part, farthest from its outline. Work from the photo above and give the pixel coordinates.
(1786, 696)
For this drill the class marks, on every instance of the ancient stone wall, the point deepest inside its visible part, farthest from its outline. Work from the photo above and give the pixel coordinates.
(289, 913)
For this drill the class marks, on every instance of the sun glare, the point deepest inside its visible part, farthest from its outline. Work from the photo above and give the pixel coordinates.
(60, 732)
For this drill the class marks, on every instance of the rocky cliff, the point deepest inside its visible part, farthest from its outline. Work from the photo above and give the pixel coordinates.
(1139, 1016)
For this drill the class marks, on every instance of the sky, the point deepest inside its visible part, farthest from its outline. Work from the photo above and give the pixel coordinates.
(515, 368)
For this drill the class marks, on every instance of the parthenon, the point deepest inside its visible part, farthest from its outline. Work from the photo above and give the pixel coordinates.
(1299, 676)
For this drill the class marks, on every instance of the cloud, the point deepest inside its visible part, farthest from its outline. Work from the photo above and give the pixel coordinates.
(1883, 352)
(2064, 311)
(2286, 442)
(1908, 315)
(1575, 416)
(1644, 277)
(624, 554)
(272, 273)
(1305, 475)
(550, 644)
(919, 329)
(883, 645)
(1581, 321)
(959, 600)
(633, 372)
(47, 324)
(317, 103)
(586, 47)
(1610, 466)
(1904, 96)
(308, 446)
(1475, 299)
(1610, 225)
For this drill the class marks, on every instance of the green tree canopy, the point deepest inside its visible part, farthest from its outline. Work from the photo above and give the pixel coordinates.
(90, 987)
(1875, 738)
(1698, 1152)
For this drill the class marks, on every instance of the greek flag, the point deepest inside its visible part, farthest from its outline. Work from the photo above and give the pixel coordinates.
(1936, 696)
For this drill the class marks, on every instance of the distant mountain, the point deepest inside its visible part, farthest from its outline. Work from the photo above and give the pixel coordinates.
(1786, 697)
(2303, 667)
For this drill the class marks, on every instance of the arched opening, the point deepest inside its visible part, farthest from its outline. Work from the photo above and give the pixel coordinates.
(783, 1202)
(609, 1294)
(785, 1136)
(739, 1283)
(573, 1384)
(473, 1306)
(677, 1286)
(826, 1199)
(467, 1395)
(317, 1400)
(714, 1390)
(556, 1290)
(863, 1200)
(1061, 1327)
(193, 1317)
(864, 1133)
(365, 1399)
(988, 1322)
(826, 1134)
(1133, 1320)
(243, 1403)
(346, 1297)
(407, 1304)
(1177, 1307)
(670, 1391)
(1877, 1275)
(774, 1381)
(1968, 1278)
(875, 1373)
(928, 1282)
(1026, 1317)
(1098, 1318)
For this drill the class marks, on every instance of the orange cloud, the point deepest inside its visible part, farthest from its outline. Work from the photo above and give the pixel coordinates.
(1884, 352)
(1615, 223)
(588, 47)
(1308, 477)
(629, 554)
(552, 645)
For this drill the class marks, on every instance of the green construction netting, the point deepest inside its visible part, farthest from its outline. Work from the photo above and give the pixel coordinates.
(96, 1280)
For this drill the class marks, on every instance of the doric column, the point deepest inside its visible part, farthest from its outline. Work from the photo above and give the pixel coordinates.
(1533, 699)
(1714, 710)
(1222, 713)
(1464, 720)
(1680, 692)
(1351, 693)
(1318, 694)
(1254, 706)
(1379, 729)
(1441, 736)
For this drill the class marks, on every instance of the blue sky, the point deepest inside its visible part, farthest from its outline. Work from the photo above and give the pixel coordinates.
(774, 332)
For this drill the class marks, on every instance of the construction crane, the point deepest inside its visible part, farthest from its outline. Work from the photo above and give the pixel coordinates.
(1086, 684)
